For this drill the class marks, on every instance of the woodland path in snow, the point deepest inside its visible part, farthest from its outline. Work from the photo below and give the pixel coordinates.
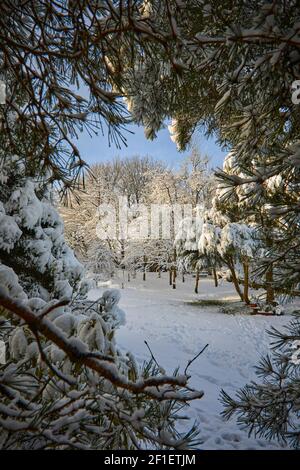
(176, 328)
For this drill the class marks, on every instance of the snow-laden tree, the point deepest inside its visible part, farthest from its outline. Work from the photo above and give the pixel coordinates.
(65, 384)
(239, 246)
(101, 261)
(109, 185)
(251, 203)
(170, 190)
(135, 177)
(210, 239)
(98, 187)
(32, 243)
(269, 406)
(149, 255)
(197, 177)
(186, 246)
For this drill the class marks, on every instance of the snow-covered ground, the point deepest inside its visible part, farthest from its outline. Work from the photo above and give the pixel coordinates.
(177, 328)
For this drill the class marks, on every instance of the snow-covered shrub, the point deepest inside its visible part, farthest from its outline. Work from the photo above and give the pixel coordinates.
(31, 237)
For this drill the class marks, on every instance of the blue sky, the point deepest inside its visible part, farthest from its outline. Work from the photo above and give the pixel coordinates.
(96, 149)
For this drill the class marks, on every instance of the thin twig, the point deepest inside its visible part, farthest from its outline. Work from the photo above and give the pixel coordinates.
(152, 356)
(194, 358)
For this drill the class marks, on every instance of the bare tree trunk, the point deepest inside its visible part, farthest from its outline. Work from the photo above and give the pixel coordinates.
(174, 278)
(122, 249)
(183, 278)
(246, 282)
(170, 276)
(197, 281)
(215, 277)
(123, 284)
(159, 273)
(174, 269)
(128, 276)
(145, 266)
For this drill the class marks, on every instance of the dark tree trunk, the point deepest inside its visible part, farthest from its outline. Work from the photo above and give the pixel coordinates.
(269, 282)
(246, 283)
(174, 269)
(174, 278)
(170, 276)
(215, 277)
(197, 281)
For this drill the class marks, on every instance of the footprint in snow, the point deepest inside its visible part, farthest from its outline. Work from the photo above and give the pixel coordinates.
(231, 437)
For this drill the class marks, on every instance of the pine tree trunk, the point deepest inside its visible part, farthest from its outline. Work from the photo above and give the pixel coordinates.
(270, 291)
(270, 296)
(236, 282)
(215, 277)
(170, 276)
(183, 278)
(246, 283)
(128, 276)
(197, 281)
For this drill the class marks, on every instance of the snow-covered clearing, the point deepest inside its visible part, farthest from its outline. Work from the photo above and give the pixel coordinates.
(177, 328)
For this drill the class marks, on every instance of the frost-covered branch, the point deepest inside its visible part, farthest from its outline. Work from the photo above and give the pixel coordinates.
(76, 351)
